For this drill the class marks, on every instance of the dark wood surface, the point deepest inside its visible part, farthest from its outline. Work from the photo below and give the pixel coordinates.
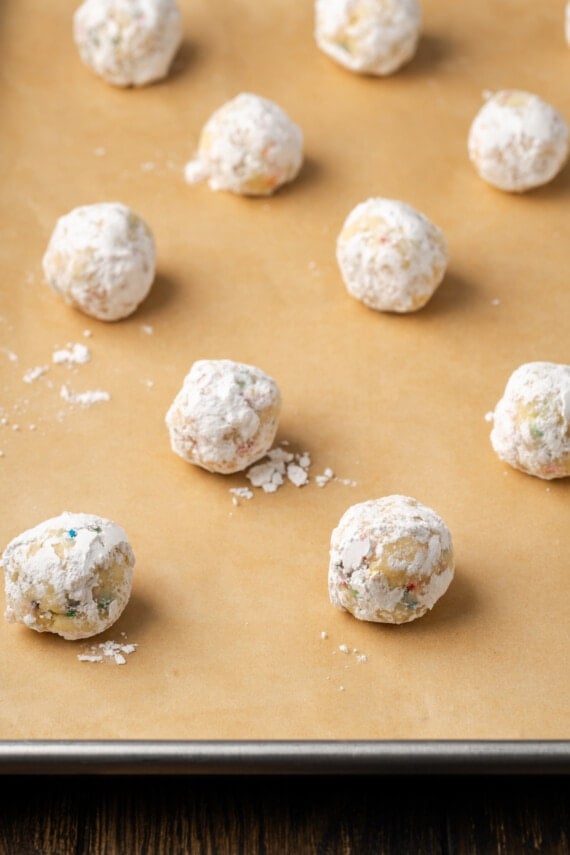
(101, 815)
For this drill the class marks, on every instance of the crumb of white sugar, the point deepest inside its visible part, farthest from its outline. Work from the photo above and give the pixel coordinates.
(323, 480)
(85, 399)
(33, 374)
(297, 475)
(108, 651)
(73, 354)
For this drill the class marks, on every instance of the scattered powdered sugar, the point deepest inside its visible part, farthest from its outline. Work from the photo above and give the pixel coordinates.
(147, 329)
(489, 416)
(73, 354)
(33, 374)
(297, 475)
(268, 476)
(240, 493)
(13, 357)
(85, 399)
(111, 652)
(280, 465)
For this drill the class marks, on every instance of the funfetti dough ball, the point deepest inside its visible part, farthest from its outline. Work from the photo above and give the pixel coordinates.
(391, 257)
(531, 422)
(101, 259)
(249, 146)
(391, 559)
(70, 575)
(368, 36)
(517, 141)
(225, 416)
(128, 42)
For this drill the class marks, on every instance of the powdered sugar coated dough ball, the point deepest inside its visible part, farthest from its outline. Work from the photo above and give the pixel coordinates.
(101, 259)
(531, 422)
(391, 257)
(368, 36)
(70, 575)
(248, 146)
(128, 42)
(517, 141)
(391, 559)
(225, 416)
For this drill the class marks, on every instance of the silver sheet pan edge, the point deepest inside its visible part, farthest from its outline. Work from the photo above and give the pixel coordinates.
(390, 757)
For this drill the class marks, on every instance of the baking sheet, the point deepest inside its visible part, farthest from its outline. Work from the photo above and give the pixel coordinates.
(230, 603)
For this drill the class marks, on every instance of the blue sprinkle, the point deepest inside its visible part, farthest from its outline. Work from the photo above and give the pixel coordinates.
(72, 532)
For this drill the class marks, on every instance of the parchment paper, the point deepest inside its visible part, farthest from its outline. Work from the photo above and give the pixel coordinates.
(230, 603)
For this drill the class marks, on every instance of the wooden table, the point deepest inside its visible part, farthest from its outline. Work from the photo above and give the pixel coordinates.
(286, 815)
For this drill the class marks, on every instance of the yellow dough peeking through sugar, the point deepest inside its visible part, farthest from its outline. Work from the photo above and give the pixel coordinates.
(101, 260)
(390, 256)
(70, 575)
(128, 42)
(517, 141)
(225, 416)
(391, 559)
(249, 146)
(373, 37)
(531, 421)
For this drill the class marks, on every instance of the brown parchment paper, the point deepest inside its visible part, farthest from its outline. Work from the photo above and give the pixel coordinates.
(229, 602)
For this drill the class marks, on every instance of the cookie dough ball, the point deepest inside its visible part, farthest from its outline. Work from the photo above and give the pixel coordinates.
(368, 36)
(128, 42)
(249, 146)
(391, 257)
(225, 416)
(391, 559)
(70, 575)
(517, 141)
(101, 259)
(531, 422)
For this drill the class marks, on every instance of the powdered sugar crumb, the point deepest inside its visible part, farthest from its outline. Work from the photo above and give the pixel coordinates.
(85, 399)
(280, 465)
(73, 354)
(240, 493)
(147, 329)
(489, 416)
(297, 475)
(323, 480)
(112, 652)
(33, 374)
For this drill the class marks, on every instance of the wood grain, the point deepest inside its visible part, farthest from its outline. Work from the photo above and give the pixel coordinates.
(284, 816)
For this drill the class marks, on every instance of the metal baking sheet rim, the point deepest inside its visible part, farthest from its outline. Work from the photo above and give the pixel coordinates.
(284, 757)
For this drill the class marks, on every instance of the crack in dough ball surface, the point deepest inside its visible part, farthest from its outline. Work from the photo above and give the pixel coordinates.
(372, 37)
(249, 146)
(101, 260)
(517, 141)
(225, 416)
(128, 42)
(391, 257)
(391, 559)
(70, 575)
(531, 422)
